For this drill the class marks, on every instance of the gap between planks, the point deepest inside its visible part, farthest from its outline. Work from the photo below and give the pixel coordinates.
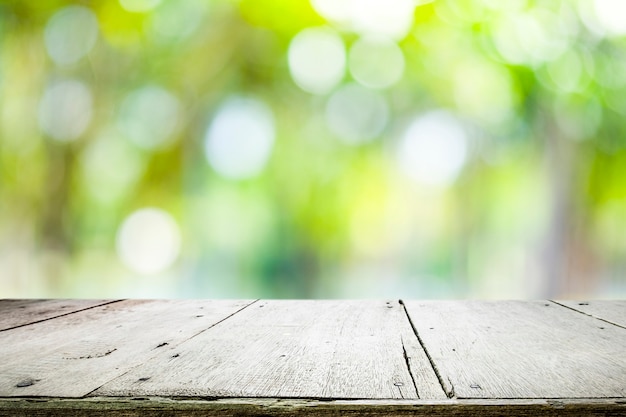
(587, 314)
(59, 315)
(448, 391)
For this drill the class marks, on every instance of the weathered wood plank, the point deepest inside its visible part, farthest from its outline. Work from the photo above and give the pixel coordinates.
(16, 313)
(73, 355)
(148, 407)
(521, 349)
(611, 311)
(307, 349)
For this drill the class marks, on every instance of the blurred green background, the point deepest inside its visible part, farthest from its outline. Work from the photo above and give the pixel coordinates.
(337, 148)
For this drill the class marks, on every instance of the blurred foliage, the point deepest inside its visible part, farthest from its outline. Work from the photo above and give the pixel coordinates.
(198, 148)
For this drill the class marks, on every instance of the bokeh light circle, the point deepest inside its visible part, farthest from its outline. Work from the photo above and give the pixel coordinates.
(376, 62)
(390, 18)
(239, 140)
(149, 116)
(148, 241)
(611, 15)
(355, 114)
(317, 60)
(70, 34)
(111, 167)
(139, 6)
(433, 149)
(65, 110)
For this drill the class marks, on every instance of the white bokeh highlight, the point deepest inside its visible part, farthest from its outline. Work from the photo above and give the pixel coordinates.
(70, 34)
(433, 149)
(148, 241)
(139, 6)
(240, 139)
(531, 37)
(611, 15)
(391, 18)
(111, 167)
(149, 116)
(355, 114)
(65, 110)
(376, 62)
(317, 60)
(177, 20)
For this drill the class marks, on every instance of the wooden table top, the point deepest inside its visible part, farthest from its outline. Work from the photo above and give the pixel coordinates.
(288, 357)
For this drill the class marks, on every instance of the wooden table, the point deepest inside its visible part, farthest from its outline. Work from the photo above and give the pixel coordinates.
(304, 358)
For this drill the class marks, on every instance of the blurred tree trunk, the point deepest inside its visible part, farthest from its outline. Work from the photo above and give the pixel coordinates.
(55, 236)
(558, 159)
(568, 262)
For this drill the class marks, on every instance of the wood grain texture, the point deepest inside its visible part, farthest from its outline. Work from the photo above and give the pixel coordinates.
(149, 407)
(156, 358)
(521, 349)
(73, 355)
(613, 311)
(16, 313)
(309, 349)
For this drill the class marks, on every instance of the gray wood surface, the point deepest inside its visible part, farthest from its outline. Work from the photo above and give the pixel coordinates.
(613, 311)
(313, 358)
(72, 355)
(520, 349)
(16, 313)
(310, 349)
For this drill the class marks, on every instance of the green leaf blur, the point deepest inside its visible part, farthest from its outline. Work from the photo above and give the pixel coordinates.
(405, 148)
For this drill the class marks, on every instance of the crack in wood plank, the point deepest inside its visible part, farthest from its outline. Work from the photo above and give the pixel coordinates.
(408, 366)
(60, 315)
(449, 392)
(587, 314)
